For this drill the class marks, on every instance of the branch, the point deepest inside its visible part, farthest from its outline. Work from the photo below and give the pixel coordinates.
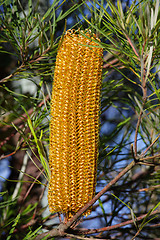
(24, 116)
(109, 228)
(84, 238)
(61, 230)
(12, 74)
(136, 132)
(27, 66)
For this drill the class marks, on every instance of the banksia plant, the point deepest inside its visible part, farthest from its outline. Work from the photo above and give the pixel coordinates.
(74, 125)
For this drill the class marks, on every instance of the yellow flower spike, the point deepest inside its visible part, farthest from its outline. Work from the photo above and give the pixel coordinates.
(74, 125)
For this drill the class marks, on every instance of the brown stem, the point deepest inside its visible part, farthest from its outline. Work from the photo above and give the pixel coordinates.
(12, 74)
(149, 189)
(31, 186)
(109, 228)
(151, 157)
(136, 133)
(109, 64)
(131, 44)
(83, 238)
(144, 89)
(55, 232)
(143, 154)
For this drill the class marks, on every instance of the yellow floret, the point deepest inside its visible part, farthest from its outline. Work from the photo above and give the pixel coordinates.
(74, 125)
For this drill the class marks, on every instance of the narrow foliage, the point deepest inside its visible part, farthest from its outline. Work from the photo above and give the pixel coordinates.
(74, 126)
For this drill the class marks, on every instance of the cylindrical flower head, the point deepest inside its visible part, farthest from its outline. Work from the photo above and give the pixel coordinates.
(74, 125)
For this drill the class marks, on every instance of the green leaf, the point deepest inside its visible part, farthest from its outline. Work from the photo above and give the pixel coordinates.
(31, 235)
(48, 13)
(148, 214)
(40, 149)
(103, 210)
(16, 220)
(134, 218)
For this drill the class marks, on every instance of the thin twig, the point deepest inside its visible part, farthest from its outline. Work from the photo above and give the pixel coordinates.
(18, 185)
(12, 74)
(150, 157)
(136, 133)
(109, 228)
(24, 65)
(31, 186)
(83, 238)
(131, 44)
(143, 154)
(149, 189)
(144, 89)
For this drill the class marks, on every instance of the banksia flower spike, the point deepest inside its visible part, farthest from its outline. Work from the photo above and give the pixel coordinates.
(74, 125)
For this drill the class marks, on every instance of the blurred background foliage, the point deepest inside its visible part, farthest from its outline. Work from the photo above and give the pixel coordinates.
(30, 32)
